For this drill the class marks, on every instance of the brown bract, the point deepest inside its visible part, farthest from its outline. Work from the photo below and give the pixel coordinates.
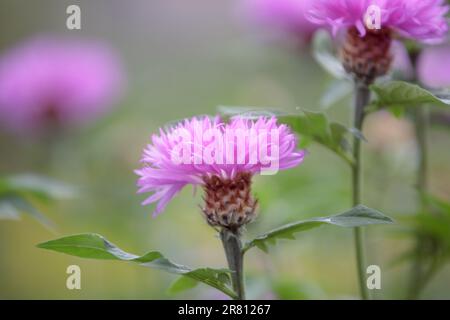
(228, 201)
(368, 57)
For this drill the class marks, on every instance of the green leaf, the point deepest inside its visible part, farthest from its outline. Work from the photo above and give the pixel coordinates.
(322, 51)
(358, 216)
(15, 191)
(312, 126)
(34, 185)
(181, 284)
(12, 206)
(331, 135)
(399, 93)
(434, 220)
(94, 246)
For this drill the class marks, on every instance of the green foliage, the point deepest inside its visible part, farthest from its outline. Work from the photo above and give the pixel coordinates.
(15, 192)
(311, 126)
(94, 246)
(432, 227)
(12, 206)
(434, 222)
(37, 186)
(358, 216)
(396, 94)
(315, 126)
(181, 284)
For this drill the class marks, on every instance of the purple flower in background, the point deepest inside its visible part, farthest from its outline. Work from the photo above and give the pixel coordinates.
(421, 20)
(433, 67)
(221, 157)
(49, 81)
(281, 16)
(369, 26)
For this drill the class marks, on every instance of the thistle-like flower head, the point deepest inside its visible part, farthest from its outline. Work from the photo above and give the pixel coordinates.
(370, 26)
(219, 156)
(420, 20)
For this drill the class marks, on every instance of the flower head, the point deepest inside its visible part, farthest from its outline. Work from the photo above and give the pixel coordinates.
(46, 81)
(221, 157)
(433, 67)
(421, 20)
(283, 16)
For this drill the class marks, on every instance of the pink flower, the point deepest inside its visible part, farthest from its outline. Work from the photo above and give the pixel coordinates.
(283, 16)
(433, 67)
(209, 152)
(401, 63)
(421, 20)
(46, 81)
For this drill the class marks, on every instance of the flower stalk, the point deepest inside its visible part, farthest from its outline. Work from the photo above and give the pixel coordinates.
(418, 279)
(232, 245)
(421, 125)
(362, 97)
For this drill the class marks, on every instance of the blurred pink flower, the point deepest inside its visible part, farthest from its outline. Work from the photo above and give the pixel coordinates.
(164, 177)
(421, 20)
(281, 16)
(386, 133)
(401, 63)
(48, 81)
(433, 67)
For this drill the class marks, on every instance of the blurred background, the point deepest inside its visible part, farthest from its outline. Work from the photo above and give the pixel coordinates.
(180, 59)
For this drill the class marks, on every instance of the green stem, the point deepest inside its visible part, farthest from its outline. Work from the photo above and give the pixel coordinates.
(362, 97)
(421, 128)
(421, 125)
(233, 250)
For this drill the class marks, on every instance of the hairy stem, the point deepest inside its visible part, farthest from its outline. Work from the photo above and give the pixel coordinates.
(233, 250)
(362, 97)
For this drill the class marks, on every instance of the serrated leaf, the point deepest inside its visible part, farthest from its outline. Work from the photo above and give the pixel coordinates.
(358, 216)
(400, 93)
(94, 246)
(322, 51)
